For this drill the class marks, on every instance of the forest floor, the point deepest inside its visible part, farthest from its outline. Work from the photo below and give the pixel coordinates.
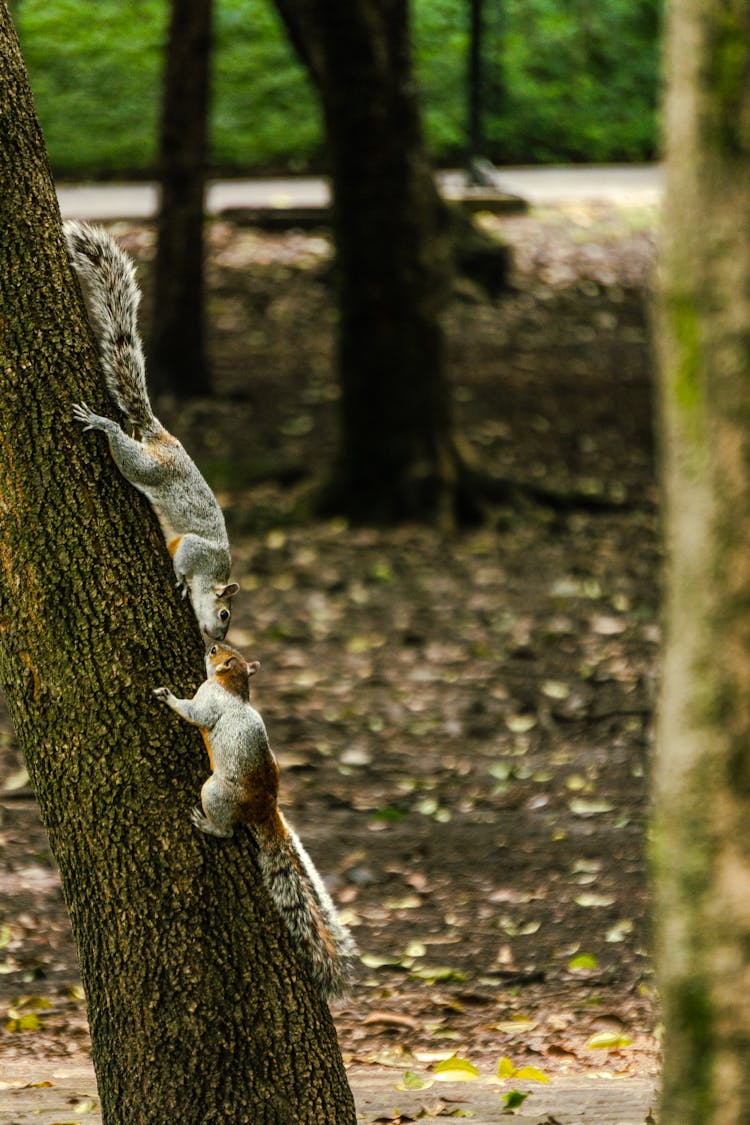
(464, 721)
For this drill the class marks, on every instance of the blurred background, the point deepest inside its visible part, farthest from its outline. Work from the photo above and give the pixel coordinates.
(563, 81)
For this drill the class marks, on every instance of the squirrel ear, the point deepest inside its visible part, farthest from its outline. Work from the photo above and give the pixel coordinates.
(253, 667)
(227, 591)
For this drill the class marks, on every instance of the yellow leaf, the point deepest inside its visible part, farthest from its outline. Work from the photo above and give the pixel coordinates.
(532, 1074)
(505, 1068)
(29, 1022)
(456, 1070)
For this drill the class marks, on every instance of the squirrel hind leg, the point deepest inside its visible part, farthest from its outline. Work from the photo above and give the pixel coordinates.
(219, 809)
(201, 821)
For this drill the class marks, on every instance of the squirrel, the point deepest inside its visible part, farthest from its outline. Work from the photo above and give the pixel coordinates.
(154, 462)
(243, 789)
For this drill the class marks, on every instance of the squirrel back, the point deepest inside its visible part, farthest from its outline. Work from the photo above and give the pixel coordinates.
(154, 461)
(114, 299)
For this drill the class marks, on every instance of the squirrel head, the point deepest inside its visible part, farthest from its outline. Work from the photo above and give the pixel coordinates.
(213, 608)
(230, 668)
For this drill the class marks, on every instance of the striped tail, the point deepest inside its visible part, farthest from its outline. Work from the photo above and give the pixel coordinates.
(306, 907)
(114, 299)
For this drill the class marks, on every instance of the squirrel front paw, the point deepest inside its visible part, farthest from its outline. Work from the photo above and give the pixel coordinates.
(91, 421)
(82, 414)
(162, 693)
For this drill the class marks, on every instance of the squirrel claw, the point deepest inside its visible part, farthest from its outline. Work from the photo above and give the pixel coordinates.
(197, 817)
(81, 413)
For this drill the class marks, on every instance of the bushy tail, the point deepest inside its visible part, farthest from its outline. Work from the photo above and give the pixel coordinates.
(306, 907)
(114, 298)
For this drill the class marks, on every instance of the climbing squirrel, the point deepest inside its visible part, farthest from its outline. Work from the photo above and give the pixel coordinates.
(154, 462)
(243, 789)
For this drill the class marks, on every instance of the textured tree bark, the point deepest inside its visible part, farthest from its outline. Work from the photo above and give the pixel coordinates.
(177, 346)
(199, 1009)
(702, 823)
(397, 457)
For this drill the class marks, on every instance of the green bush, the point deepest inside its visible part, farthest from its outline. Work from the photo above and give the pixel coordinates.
(94, 71)
(578, 81)
(565, 80)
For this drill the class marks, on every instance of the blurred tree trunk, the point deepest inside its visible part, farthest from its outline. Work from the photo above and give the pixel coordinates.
(199, 1010)
(397, 457)
(702, 829)
(177, 346)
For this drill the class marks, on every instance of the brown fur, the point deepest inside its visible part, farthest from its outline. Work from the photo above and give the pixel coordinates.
(231, 670)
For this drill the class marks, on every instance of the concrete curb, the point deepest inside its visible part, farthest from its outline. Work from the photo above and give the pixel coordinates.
(632, 184)
(70, 1097)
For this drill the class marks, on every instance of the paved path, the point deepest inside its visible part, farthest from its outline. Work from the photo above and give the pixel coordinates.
(633, 183)
(55, 1091)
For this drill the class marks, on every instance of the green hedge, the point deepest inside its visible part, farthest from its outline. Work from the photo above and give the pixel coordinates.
(566, 80)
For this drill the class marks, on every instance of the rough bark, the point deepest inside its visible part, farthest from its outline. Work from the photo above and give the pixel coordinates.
(177, 346)
(199, 1009)
(397, 457)
(702, 829)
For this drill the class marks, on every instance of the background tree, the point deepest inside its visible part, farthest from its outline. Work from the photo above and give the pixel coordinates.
(198, 1007)
(703, 766)
(177, 347)
(397, 456)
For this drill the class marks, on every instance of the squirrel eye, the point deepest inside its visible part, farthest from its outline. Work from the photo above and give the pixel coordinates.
(223, 615)
(212, 650)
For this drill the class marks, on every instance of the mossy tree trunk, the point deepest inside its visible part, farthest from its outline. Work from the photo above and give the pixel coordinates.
(199, 1009)
(397, 457)
(177, 347)
(702, 826)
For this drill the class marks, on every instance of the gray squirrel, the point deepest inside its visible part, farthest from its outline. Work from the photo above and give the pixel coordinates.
(243, 789)
(154, 462)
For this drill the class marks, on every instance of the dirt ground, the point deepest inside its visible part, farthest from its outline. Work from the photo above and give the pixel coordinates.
(463, 722)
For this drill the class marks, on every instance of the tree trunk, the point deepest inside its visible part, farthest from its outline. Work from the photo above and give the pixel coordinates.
(702, 830)
(177, 346)
(200, 1011)
(397, 458)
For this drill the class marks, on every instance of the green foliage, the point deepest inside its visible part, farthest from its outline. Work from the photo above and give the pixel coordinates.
(95, 71)
(265, 108)
(565, 80)
(580, 80)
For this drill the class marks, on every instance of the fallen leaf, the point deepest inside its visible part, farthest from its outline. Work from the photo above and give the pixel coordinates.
(456, 1070)
(391, 1019)
(589, 899)
(582, 961)
(514, 1098)
(609, 1041)
(520, 724)
(608, 626)
(413, 1081)
(589, 806)
(531, 1074)
(515, 1024)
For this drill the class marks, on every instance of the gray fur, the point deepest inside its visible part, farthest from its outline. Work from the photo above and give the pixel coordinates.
(243, 763)
(155, 462)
